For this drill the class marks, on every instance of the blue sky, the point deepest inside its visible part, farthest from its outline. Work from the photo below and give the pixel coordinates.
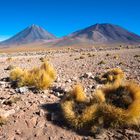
(62, 17)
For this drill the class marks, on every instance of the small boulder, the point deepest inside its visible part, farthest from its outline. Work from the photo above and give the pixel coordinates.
(22, 90)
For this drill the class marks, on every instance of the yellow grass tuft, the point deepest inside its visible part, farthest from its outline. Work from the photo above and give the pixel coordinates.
(16, 73)
(115, 104)
(126, 110)
(114, 76)
(78, 93)
(41, 78)
(110, 106)
(77, 110)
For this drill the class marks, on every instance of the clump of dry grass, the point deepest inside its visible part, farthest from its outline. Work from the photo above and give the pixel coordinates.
(77, 110)
(120, 104)
(41, 78)
(114, 105)
(113, 76)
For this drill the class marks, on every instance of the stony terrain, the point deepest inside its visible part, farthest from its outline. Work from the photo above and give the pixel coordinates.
(33, 116)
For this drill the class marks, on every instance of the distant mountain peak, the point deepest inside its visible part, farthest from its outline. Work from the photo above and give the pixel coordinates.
(30, 34)
(101, 33)
(110, 32)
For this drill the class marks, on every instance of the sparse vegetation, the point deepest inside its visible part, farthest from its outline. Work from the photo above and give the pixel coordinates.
(40, 78)
(114, 105)
(114, 76)
(77, 110)
(120, 105)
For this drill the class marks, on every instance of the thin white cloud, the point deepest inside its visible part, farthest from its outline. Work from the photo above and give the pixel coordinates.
(3, 37)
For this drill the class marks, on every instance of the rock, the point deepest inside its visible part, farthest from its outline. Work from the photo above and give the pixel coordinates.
(98, 86)
(40, 123)
(4, 114)
(68, 81)
(92, 77)
(58, 94)
(45, 91)
(74, 79)
(91, 87)
(10, 67)
(40, 113)
(58, 79)
(58, 89)
(22, 90)
(3, 84)
(18, 132)
(87, 75)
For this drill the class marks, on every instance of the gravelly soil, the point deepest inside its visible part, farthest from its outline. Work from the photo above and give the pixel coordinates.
(34, 119)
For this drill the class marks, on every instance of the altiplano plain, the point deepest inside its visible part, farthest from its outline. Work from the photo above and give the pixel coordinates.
(36, 115)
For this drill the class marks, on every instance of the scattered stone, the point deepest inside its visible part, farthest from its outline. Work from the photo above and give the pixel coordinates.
(68, 81)
(10, 67)
(18, 132)
(74, 79)
(3, 84)
(5, 114)
(22, 90)
(58, 89)
(87, 75)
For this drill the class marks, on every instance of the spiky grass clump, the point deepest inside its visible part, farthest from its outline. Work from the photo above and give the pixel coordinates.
(41, 77)
(16, 73)
(120, 105)
(77, 110)
(114, 105)
(114, 76)
(78, 93)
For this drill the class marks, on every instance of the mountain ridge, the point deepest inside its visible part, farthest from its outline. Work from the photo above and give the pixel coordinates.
(30, 34)
(104, 33)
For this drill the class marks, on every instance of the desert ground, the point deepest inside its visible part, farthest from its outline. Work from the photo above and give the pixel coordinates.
(34, 115)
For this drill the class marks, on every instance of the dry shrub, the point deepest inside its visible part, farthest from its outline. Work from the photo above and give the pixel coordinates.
(112, 105)
(77, 110)
(113, 76)
(120, 105)
(41, 78)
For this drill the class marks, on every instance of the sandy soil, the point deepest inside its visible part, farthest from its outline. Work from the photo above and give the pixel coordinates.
(34, 114)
